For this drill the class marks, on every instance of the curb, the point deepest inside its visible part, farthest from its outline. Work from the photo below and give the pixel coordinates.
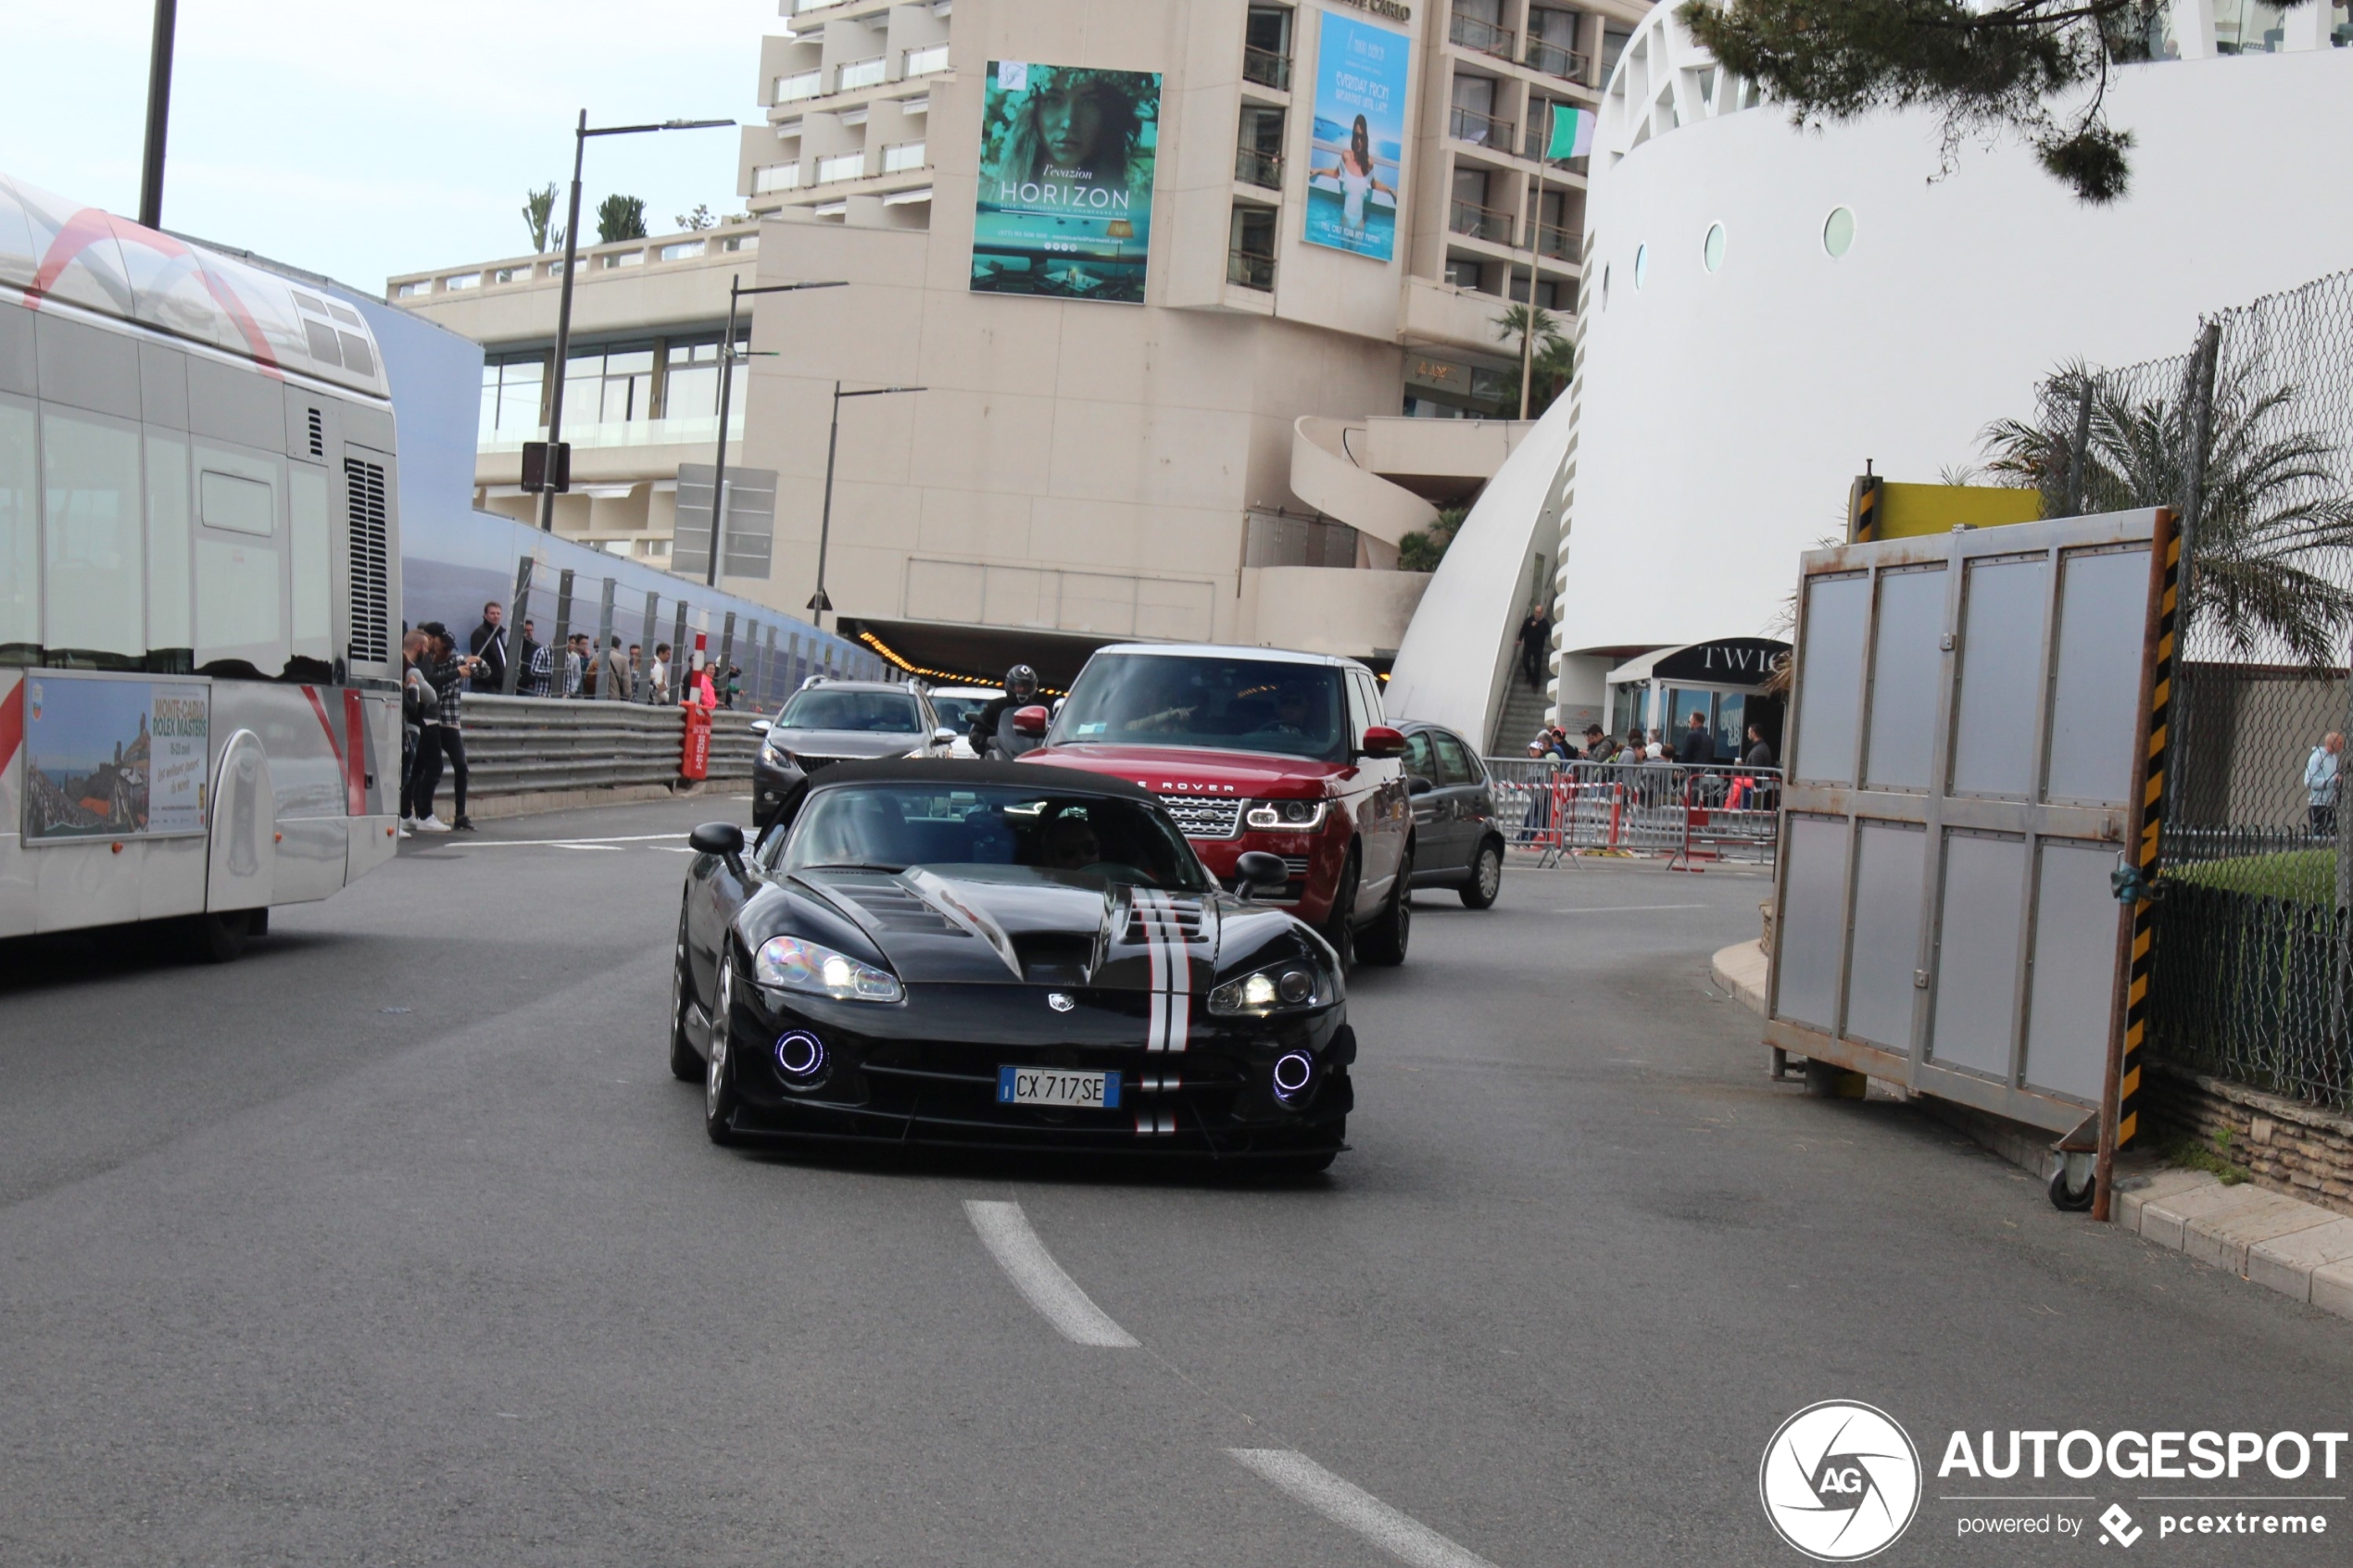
(2300, 1250)
(1742, 970)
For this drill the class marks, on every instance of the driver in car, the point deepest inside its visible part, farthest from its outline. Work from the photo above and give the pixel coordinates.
(1072, 844)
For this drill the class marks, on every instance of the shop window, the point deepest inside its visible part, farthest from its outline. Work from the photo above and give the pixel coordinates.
(94, 570)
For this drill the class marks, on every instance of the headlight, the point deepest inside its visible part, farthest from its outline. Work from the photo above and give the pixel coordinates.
(1287, 816)
(791, 964)
(1283, 987)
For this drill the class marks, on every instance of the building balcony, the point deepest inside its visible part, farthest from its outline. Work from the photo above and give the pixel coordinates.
(691, 431)
(801, 84)
(1553, 60)
(842, 165)
(851, 75)
(929, 60)
(775, 177)
(1249, 270)
(712, 247)
(1476, 222)
(1255, 167)
(1549, 239)
(1268, 69)
(901, 156)
(1483, 36)
(1482, 130)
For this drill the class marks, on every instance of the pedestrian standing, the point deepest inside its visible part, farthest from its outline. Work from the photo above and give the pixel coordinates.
(635, 689)
(442, 741)
(734, 689)
(488, 645)
(2320, 771)
(612, 674)
(538, 666)
(1535, 643)
(1598, 745)
(1760, 750)
(416, 700)
(658, 679)
(575, 663)
(1697, 745)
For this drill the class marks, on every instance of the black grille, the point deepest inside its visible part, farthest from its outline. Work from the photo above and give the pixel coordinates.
(318, 434)
(368, 530)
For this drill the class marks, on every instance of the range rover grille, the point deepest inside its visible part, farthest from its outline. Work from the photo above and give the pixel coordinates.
(1204, 817)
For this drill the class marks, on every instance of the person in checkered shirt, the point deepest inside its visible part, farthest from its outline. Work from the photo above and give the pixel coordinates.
(443, 738)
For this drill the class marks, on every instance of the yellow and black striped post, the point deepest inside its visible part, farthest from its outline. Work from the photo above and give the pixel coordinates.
(1863, 498)
(2154, 728)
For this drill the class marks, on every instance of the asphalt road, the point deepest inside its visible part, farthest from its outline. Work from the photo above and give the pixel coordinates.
(395, 1243)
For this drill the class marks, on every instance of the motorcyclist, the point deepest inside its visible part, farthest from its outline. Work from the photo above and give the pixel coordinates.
(992, 731)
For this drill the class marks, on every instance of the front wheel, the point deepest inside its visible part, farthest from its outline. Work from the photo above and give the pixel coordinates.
(1486, 878)
(218, 936)
(1385, 940)
(719, 1098)
(684, 1065)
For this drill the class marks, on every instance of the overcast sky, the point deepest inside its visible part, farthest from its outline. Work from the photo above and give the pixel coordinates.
(362, 140)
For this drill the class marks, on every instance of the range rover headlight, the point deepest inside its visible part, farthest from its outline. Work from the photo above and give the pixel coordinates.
(791, 964)
(1290, 987)
(1287, 816)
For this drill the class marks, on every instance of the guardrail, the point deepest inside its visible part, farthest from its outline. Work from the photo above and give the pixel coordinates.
(534, 746)
(1687, 812)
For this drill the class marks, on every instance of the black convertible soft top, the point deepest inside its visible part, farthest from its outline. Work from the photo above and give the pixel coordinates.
(954, 772)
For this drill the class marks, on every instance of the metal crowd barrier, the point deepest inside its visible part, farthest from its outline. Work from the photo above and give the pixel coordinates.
(1689, 813)
(527, 746)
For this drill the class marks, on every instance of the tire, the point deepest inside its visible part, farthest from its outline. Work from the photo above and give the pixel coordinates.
(1338, 931)
(2067, 1200)
(719, 1097)
(218, 935)
(1391, 933)
(685, 1063)
(1485, 877)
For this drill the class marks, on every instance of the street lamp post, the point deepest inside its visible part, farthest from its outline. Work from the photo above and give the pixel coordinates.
(818, 602)
(158, 114)
(563, 303)
(726, 386)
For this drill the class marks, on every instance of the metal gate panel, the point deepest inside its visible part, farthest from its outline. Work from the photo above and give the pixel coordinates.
(1891, 864)
(1813, 889)
(1946, 922)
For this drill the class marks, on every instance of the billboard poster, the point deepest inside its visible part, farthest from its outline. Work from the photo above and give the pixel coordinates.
(106, 759)
(1356, 164)
(1065, 204)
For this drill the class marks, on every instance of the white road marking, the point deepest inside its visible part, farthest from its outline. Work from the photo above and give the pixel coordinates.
(1404, 1539)
(1004, 1230)
(601, 849)
(1626, 908)
(565, 843)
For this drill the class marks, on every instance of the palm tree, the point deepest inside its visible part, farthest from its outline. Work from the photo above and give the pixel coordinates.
(1554, 353)
(538, 216)
(2271, 508)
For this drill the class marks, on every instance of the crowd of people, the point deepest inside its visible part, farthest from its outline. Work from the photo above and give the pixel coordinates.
(1695, 746)
(436, 678)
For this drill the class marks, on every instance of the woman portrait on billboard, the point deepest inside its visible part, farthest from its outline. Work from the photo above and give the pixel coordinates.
(1072, 127)
(1353, 169)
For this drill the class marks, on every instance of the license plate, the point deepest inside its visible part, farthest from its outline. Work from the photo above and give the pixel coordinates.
(1050, 1085)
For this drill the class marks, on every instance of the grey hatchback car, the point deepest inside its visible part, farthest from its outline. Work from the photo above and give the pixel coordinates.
(1457, 843)
(829, 721)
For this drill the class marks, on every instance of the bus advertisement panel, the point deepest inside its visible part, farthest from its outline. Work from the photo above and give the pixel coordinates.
(1357, 163)
(107, 757)
(1067, 161)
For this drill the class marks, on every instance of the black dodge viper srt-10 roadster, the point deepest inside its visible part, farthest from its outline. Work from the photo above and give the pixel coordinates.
(993, 955)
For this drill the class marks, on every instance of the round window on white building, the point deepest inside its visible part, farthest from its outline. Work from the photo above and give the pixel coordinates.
(1838, 230)
(1711, 250)
(1641, 264)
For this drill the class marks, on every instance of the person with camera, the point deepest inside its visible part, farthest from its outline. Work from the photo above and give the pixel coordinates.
(443, 738)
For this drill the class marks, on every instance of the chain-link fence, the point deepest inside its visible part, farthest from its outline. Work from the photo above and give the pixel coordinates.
(2249, 436)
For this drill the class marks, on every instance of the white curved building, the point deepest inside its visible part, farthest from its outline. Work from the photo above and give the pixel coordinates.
(1769, 309)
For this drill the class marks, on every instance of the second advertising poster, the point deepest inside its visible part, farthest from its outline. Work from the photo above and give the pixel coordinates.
(1067, 157)
(1357, 167)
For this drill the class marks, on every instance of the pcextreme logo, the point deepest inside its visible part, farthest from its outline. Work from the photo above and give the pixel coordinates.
(1841, 1481)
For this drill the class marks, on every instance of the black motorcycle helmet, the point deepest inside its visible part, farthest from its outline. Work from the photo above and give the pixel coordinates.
(1021, 681)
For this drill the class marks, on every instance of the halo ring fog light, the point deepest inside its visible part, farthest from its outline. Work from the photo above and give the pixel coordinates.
(800, 1056)
(1293, 1072)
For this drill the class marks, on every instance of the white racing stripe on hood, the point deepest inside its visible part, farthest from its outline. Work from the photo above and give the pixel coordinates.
(1172, 973)
(938, 894)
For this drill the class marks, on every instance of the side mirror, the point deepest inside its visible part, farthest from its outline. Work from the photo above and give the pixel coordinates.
(1418, 785)
(943, 736)
(1031, 720)
(760, 726)
(1381, 742)
(722, 839)
(1257, 871)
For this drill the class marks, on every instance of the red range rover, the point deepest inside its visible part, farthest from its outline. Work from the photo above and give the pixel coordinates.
(1257, 748)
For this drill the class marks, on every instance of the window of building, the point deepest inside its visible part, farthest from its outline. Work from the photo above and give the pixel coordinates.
(1641, 264)
(1711, 249)
(1465, 274)
(2248, 27)
(513, 392)
(1838, 230)
(94, 574)
(1250, 251)
(1614, 37)
(1266, 46)
(690, 376)
(609, 385)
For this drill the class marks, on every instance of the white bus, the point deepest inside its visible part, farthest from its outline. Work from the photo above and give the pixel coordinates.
(199, 571)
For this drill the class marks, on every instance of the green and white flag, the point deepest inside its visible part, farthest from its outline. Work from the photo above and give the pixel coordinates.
(1572, 132)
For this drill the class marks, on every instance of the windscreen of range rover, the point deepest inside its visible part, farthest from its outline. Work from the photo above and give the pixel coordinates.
(1232, 704)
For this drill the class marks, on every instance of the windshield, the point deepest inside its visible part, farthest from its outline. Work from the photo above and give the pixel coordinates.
(956, 712)
(835, 707)
(892, 826)
(1235, 704)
